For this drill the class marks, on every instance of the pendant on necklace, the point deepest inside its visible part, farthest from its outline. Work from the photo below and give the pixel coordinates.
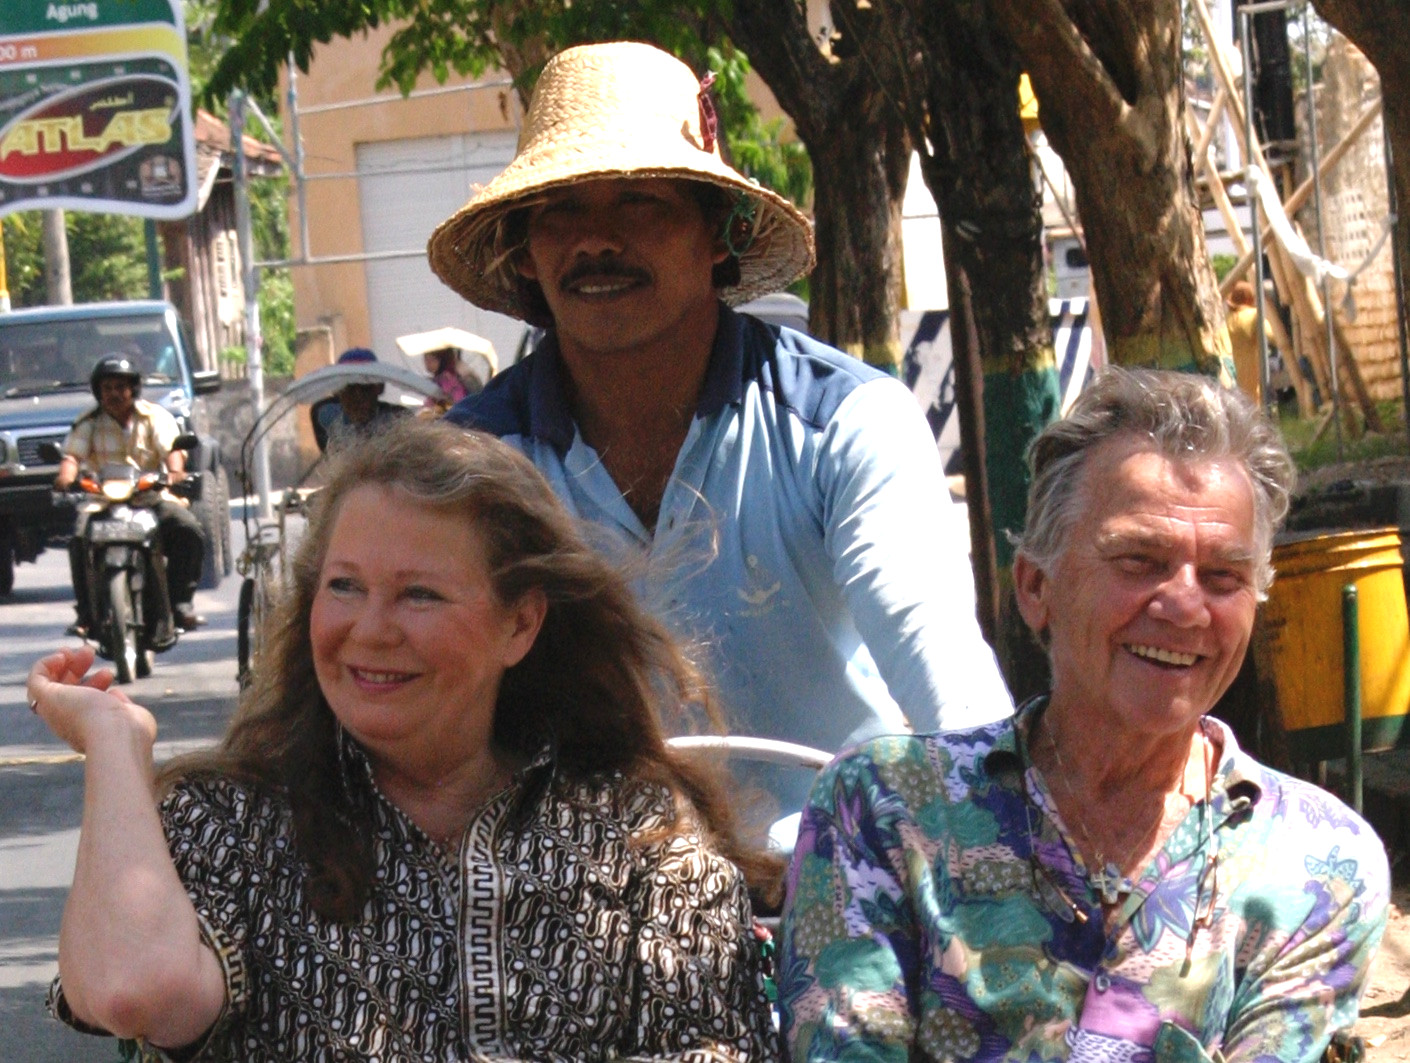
(1108, 881)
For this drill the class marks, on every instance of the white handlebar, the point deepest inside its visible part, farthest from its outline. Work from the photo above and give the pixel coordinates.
(770, 750)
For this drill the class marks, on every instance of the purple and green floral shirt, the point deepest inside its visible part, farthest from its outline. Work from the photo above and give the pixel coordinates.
(937, 910)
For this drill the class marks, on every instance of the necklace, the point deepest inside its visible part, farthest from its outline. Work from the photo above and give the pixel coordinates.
(1106, 877)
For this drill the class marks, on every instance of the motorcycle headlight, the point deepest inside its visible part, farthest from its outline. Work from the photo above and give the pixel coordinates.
(117, 490)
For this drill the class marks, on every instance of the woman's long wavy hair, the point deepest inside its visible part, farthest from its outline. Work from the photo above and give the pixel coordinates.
(600, 678)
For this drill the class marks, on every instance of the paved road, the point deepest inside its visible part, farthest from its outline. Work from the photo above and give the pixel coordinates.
(191, 692)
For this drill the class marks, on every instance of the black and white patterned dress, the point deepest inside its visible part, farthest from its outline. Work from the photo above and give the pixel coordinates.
(556, 935)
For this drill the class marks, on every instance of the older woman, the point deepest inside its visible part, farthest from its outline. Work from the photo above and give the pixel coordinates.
(443, 825)
(1106, 876)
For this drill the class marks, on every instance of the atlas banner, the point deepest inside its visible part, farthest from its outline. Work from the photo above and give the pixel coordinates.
(95, 108)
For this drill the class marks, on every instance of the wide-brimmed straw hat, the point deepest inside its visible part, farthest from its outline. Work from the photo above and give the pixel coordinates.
(614, 110)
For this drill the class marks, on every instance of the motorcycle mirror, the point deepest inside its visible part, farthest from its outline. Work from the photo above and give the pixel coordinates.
(186, 441)
(50, 452)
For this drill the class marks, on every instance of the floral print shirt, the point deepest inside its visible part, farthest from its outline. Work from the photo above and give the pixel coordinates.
(938, 910)
(571, 925)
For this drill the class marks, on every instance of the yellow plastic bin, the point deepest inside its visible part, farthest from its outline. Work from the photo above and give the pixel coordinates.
(1303, 618)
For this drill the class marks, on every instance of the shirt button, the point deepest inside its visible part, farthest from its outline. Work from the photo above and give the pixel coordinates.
(1102, 982)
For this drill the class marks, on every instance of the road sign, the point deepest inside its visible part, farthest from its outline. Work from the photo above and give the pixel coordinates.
(95, 108)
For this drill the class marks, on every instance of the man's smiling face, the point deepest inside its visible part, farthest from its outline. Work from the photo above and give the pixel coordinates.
(623, 262)
(1150, 605)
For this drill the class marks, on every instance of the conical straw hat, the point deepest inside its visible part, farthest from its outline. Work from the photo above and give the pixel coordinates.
(611, 110)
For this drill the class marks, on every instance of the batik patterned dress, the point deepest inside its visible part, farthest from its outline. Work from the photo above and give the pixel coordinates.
(571, 925)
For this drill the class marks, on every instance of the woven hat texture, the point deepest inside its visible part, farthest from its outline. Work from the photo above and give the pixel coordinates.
(612, 110)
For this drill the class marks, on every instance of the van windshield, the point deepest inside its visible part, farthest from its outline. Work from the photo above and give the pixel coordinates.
(42, 356)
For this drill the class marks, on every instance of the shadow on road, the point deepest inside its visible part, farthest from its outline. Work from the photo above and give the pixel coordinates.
(36, 1038)
(42, 595)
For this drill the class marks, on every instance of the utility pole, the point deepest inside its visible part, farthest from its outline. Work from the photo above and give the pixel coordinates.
(254, 358)
(58, 285)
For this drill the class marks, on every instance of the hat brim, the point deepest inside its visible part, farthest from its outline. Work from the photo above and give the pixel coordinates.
(463, 251)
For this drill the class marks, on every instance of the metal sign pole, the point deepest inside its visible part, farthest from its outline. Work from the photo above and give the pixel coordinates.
(1251, 198)
(1315, 164)
(254, 362)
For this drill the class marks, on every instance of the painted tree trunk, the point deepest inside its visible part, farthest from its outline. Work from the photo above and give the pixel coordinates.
(860, 150)
(979, 172)
(1110, 84)
(856, 287)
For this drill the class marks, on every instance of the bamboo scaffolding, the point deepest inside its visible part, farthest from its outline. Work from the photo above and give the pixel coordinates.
(1204, 165)
(1305, 304)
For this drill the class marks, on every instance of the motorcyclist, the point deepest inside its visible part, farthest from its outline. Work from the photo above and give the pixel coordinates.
(126, 429)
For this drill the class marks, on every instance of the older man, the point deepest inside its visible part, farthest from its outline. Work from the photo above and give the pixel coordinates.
(1107, 876)
(788, 499)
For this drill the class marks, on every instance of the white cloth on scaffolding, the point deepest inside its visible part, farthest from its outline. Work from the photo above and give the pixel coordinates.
(1308, 263)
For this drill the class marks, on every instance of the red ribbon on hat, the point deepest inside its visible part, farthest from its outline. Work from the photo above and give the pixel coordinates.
(709, 120)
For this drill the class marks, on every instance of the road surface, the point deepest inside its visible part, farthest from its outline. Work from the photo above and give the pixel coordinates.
(191, 692)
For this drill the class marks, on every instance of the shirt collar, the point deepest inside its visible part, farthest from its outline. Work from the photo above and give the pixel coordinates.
(1239, 780)
(551, 415)
(1008, 758)
(528, 784)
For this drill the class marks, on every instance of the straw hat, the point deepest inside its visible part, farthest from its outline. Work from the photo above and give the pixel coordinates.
(612, 110)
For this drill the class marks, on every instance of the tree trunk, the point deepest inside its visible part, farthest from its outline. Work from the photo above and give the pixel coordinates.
(860, 149)
(856, 287)
(1110, 84)
(979, 172)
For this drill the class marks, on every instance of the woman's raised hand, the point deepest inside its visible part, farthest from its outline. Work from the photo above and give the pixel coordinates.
(73, 703)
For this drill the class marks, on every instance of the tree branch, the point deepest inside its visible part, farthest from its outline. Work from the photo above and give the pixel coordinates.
(1056, 54)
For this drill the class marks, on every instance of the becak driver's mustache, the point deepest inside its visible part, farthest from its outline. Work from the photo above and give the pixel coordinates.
(603, 269)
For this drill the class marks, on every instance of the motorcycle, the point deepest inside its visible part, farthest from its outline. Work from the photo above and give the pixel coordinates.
(125, 580)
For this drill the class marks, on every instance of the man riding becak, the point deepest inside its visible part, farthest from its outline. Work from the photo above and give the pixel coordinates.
(126, 429)
(788, 498)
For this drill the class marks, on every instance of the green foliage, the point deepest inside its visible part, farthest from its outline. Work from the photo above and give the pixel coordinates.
(1222, 264)
(107, 257)
(1313, 443)
(1300, 44)
(276, 317)
(470, 37)
(24, 256)
(261, 34)
(757, 148)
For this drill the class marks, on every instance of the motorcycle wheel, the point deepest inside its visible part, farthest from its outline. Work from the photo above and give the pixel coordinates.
(122, 636)
(144, 664)
(7, 567)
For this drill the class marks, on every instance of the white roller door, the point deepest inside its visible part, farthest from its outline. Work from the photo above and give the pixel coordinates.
(405, 189)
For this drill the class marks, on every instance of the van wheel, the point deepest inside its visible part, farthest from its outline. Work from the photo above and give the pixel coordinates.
(213, 511)
(227, 551)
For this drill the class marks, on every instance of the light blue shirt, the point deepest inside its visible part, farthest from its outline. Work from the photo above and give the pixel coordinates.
(806, 539)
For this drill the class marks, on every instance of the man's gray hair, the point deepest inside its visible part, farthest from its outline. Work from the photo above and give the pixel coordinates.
(1184, 416)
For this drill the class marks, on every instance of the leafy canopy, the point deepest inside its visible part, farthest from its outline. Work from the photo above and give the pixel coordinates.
(467, 38)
